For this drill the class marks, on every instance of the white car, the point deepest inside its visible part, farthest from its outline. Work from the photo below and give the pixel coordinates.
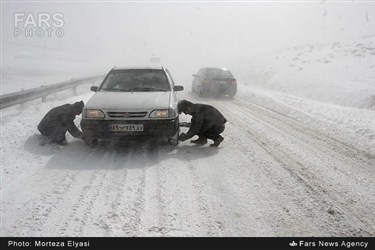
(133, 102)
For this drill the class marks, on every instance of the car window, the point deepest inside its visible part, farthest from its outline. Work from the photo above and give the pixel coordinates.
(136, 81)
(221, 73)
(201, 72)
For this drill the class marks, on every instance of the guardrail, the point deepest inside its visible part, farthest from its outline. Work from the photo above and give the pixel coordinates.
(20, 97)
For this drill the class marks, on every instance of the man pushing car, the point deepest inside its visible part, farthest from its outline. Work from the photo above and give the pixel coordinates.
(207, 122)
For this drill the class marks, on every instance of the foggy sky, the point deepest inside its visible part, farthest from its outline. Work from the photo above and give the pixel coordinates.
(187, 36)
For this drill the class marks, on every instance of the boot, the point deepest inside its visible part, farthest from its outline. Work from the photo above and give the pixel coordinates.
(217, 141)
(201, 140)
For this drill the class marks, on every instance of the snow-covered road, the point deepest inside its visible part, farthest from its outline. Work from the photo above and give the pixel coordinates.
(273, 175)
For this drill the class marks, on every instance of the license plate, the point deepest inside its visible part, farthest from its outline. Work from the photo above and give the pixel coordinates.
(127, 127)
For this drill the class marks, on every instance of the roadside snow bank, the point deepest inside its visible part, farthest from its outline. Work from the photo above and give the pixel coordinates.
(351, 126)
(338, 73)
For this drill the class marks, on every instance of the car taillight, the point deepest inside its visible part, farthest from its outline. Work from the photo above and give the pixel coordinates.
(233, 81)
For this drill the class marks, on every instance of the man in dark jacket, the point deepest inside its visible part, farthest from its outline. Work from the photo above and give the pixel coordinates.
(59, 120)
(206, 122)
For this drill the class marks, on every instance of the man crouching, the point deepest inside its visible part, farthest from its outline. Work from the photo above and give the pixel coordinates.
(59, 120)
(206, 122)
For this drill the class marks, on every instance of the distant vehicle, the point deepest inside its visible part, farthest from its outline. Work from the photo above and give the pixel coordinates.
(214, 82)
(133, 102)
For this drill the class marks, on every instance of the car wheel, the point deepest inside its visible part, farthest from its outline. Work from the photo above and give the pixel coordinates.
(91, 142)
(173, 140)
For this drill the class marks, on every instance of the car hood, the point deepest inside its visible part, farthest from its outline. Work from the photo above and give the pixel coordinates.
(141, 101)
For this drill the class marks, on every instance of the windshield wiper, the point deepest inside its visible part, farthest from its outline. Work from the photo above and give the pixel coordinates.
(146, 89)
(116, 90)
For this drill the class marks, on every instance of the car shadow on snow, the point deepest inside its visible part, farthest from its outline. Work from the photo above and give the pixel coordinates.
(125, 155)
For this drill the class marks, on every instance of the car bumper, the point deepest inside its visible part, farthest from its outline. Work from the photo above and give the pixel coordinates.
(226, 89)
(101, 129)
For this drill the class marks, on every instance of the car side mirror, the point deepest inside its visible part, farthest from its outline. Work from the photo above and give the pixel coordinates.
(94, 88)
(178, 88)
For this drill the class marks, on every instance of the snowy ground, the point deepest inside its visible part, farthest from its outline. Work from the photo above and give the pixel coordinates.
(297, 160)
(341, 73)
(287, 167)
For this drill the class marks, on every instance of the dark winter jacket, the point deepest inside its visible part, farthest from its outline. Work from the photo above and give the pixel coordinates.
(203, 117)
(61, 117)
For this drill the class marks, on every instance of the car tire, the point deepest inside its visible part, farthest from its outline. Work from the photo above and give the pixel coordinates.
(174, 140)
(91, 142)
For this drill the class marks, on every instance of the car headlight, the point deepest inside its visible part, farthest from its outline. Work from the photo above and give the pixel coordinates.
(93, 113)
(163, 113)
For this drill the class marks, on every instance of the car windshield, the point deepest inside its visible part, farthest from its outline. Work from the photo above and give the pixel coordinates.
(136, 81)
(219, 73)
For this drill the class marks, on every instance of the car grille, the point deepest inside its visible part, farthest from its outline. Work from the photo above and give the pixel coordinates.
(126, 114)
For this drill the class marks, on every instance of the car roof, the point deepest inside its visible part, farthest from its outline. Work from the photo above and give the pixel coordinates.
(215, 68)
(139, 67)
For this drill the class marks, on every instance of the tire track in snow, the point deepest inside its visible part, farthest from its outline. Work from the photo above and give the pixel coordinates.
(36, 211)
(51, 197)
(171, 207)
(309, 180)
(117, 209)
(323, 152)
(323, 156)
(107, 219)
(124, 216)
(152, 221)
(170, 200)
(83, 205)
(208, 219)
(133, 203)
(332, 143)
(66, 214)
(102, 219)
(227, 187)
(215, 226)
(180, 209)
(314, 210)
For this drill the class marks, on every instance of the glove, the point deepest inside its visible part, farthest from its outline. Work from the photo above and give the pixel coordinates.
(183, 137)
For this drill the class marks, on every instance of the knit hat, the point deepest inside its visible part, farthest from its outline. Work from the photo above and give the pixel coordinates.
(182, 105)
(78, 106)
